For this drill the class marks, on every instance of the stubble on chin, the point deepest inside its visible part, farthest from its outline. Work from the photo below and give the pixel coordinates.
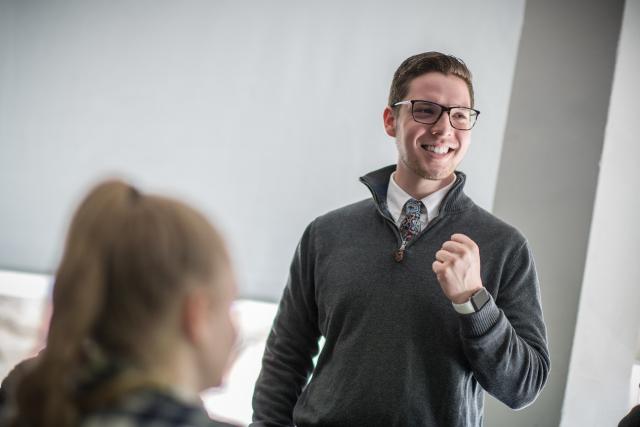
(424, 174)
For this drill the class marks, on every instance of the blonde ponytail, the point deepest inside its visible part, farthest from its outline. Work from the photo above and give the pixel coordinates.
(127, 259)
(45, 396)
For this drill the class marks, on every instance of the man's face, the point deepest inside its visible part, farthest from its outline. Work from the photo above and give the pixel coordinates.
(416, 142)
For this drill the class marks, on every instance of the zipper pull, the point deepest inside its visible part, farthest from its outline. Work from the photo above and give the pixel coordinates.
(399, 254)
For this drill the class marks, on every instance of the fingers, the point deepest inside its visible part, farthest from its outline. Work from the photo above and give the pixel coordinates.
(464, 240)
(459, 250)
(443, 272)
(445, 256)
(457, 266)
(440, 269)
(454, 247)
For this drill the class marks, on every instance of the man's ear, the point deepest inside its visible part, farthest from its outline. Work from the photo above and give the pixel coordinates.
(389, 120)
(195, 306)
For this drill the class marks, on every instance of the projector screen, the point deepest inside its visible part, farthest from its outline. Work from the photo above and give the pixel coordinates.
(262, 114)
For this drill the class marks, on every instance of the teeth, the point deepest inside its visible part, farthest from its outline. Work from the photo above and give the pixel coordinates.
(442, 149)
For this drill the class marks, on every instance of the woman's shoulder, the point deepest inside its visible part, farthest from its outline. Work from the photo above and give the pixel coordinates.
(151, 408)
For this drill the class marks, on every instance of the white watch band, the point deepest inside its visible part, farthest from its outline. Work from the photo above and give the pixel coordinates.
(464, 308)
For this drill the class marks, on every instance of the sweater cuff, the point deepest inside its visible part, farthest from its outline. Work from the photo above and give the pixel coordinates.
(479, 323)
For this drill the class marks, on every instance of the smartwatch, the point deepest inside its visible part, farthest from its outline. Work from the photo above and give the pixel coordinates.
(475, 303)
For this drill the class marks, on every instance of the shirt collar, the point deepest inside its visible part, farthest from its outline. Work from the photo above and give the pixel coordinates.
(397, 197)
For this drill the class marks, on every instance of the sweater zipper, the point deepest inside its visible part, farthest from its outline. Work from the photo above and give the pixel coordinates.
(398, 255)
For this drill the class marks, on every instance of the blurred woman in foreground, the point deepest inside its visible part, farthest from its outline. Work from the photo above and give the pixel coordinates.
(141, 318)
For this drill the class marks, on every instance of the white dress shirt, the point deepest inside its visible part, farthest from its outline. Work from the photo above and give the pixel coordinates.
(397, 197)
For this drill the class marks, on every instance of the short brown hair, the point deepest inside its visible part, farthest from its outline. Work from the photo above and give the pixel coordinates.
(423, 63)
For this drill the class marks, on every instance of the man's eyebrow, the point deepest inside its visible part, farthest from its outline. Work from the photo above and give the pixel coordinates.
(444, 105)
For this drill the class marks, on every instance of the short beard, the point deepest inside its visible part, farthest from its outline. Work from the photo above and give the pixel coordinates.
(423, 173)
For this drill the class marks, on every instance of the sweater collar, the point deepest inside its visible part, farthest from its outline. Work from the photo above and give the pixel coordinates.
(397, 198)
(378, 183)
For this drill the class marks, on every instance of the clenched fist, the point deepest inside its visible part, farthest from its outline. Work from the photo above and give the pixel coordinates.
(457, 267)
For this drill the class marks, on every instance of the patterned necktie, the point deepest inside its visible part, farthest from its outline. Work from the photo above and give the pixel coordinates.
(410, 225)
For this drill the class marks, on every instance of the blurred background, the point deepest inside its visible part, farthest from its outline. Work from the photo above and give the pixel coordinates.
(264, 115)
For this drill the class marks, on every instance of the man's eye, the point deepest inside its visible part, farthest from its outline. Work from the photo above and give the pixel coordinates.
(460, 114)
(425, 110)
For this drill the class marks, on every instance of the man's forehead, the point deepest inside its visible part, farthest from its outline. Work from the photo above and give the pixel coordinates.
(446, 87)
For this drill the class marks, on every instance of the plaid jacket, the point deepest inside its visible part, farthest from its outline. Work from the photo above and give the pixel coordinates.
(151, 408)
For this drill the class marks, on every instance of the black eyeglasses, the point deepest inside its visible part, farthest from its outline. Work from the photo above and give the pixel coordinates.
(428, 113)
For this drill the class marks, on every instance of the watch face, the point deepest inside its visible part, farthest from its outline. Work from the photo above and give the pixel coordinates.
(480, 298)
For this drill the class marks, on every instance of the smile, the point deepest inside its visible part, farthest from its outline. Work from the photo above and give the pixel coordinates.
(438, 149)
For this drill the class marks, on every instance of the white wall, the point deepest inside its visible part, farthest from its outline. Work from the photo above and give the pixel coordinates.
(606, 337)
(264, 114)
(549, 167)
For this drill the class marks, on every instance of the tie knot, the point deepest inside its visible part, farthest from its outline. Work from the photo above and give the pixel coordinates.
(413, 207)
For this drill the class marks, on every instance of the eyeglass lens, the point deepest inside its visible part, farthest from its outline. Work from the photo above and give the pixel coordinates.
(429, 113)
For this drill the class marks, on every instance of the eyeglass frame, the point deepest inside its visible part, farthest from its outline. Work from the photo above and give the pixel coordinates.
(442, 108)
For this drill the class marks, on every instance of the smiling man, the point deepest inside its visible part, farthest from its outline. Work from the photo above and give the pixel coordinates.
(424, 299)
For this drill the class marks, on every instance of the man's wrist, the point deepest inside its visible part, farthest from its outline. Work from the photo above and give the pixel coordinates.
(474, 303)
(465, 297)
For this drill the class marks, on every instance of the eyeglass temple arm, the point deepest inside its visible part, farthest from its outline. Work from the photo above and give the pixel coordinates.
(402, 103)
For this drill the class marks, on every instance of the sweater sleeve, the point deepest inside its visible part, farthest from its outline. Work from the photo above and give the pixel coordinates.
(505, 342)
(292, 343)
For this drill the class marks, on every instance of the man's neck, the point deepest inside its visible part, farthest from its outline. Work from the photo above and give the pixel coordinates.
(419, 187)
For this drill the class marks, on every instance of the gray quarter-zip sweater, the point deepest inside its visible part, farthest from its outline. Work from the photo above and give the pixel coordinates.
(396, 352)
